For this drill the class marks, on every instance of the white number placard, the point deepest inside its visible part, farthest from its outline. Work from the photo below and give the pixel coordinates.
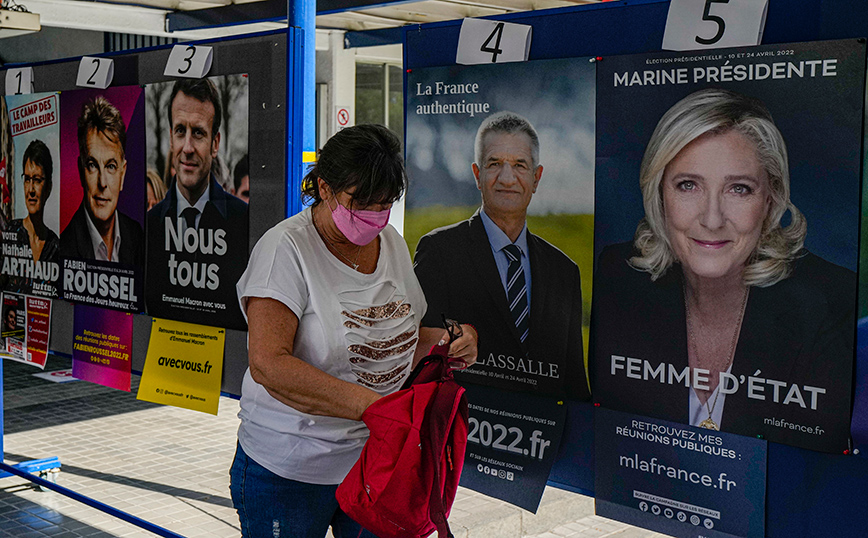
(189, 61)
(19, 80)
(714, 24)
(95, 72)
(487, 42)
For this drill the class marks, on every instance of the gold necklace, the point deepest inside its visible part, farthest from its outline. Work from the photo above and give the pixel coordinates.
(709, 423)
(353, 263)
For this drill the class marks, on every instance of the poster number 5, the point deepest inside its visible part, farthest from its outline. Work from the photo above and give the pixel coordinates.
(189, 61)
(721, 24)
(487, 42)
(706, 24)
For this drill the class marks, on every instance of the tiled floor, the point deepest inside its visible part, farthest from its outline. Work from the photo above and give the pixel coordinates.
(169, 466)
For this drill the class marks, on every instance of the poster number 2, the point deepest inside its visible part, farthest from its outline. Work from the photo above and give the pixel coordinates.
(95, 72)
(496, 34)
(721, 24)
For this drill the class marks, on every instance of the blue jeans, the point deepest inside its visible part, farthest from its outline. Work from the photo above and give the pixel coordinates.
(270, 506)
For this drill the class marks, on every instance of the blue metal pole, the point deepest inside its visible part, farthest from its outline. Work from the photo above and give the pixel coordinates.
(301, 99)
(129, 518)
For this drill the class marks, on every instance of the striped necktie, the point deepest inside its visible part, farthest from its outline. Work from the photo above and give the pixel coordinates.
(516, 291)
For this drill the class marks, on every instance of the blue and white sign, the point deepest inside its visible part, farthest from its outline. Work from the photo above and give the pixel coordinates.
(512, 442)
(679, 480)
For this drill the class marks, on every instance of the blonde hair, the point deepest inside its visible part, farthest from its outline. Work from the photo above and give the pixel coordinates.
(714, 112)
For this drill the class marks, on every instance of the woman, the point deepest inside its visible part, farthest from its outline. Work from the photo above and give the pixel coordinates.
(715, 282)
(31, 230)
(333, 308)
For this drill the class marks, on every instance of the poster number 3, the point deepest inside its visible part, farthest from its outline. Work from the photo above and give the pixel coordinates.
(705, 24)
(487, 42)
(189, 61)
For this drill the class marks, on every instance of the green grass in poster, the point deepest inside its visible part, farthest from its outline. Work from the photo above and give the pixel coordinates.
(573, 234)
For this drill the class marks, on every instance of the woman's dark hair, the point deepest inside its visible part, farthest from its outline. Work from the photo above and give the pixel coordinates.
(38, 154)
(367, 157)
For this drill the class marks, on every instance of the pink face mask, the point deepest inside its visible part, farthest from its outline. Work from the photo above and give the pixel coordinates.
(359, 226)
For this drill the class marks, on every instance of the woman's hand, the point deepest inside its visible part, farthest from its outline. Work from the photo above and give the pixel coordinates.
(465, 347)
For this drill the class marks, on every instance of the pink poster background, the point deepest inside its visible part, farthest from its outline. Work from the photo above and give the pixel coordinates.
(130, 102)
(100, 359)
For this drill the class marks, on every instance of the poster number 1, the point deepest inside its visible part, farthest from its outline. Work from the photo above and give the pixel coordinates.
(19, 81)
(721, 24)
(497, 34)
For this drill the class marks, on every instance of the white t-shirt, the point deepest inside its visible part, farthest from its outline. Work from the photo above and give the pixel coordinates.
(356, 327)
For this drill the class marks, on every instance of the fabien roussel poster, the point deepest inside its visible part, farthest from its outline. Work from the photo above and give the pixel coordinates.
(102, 210)
(727, 237)
(197, 231)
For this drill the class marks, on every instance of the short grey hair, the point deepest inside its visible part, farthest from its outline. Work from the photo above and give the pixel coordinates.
(508, 123)
(714, 112)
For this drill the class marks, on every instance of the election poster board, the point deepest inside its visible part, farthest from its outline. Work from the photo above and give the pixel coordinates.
(679, 480)
(102, 210)
(102, 346)
(184, 366)
(30, 240)
(195, 257)
(779, 363)
(462, 267)
(512, 442)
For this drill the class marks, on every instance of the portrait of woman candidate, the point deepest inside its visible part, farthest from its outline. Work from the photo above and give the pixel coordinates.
(717, 280)
(36, 183)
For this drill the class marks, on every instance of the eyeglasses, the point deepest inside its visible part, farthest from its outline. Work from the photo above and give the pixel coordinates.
(452, 327)
(38, 180)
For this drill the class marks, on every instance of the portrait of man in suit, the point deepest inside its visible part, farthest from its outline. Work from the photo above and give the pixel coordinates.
(198, 234)
(521, 293)
(97, 230)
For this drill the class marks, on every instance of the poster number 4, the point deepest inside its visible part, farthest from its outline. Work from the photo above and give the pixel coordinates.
(487, 42)
(497, 34)
(95, 72)
(189, 61)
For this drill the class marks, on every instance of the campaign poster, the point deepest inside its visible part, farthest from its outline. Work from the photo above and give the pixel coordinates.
(31, 347)
(184, 366)
(102, 210)
(30, 241)
(499, 214)
(197, 229)
(102, 346)
(727, 223)
(679, 480)
(14, 315)
(512, 443)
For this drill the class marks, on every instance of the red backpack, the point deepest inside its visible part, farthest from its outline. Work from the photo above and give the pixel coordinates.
(404, 483)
